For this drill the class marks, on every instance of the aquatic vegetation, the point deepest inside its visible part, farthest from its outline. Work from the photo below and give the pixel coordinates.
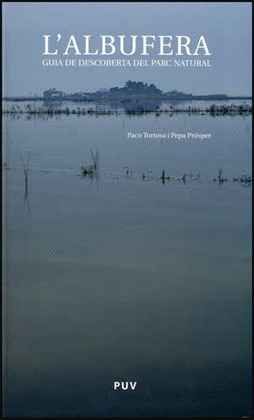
(244, 180)
(137, 109)
(92, 169)
(25, 170)
(220, 179)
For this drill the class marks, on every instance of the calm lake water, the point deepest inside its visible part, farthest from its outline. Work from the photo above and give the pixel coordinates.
(122, 278)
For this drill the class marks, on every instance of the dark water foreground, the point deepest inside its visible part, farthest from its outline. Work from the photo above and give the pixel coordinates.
(126, 279)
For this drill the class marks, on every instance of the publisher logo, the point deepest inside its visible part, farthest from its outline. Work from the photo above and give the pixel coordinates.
(125, 386)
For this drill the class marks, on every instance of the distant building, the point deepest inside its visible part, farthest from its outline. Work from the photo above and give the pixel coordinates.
(178, 96)
(135, 89)
(216, 97)
(52, 94)
(79, 96)
(103, 90)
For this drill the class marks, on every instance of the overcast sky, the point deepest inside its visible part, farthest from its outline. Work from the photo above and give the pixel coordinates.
(225, 26)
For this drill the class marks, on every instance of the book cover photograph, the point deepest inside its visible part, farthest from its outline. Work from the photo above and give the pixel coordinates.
(126, 210)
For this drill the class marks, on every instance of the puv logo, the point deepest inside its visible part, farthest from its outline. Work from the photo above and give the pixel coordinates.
(125, 385)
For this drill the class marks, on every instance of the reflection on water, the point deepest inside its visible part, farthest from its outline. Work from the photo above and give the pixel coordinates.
(49, 109)
(139, 277)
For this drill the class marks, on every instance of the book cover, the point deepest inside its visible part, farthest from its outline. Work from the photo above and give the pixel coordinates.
(126, 170)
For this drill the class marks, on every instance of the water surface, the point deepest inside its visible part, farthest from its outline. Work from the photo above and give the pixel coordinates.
(124, 277)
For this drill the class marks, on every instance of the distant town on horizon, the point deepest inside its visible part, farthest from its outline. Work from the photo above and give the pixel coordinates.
(131, 90)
